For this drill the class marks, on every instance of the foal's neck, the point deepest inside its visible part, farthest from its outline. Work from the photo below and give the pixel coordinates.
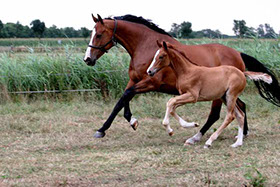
(180, 64)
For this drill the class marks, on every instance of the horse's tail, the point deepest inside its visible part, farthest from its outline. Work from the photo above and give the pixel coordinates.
(265, 80)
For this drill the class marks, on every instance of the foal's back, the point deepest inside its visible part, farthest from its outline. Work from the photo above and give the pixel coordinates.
(213, 83)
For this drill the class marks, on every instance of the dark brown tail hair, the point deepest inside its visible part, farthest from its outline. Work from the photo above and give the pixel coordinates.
(270, 92)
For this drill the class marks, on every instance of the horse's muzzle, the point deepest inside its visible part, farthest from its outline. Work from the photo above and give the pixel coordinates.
(90, 62)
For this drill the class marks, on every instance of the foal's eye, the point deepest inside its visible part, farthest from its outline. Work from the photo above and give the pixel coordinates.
(161, 57)
(98, 36)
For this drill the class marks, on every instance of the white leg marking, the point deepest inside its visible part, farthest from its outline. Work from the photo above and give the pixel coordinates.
(239, 140)
(185, 124)
(196, 138)
(133, 121)
(153, 62)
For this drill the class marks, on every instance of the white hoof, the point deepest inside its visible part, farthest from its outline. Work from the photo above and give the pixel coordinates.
(207, 146)
(236, 145)
(134, 123)
(196, 138)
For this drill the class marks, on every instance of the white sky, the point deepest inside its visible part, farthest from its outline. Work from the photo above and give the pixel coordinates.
(213, 14)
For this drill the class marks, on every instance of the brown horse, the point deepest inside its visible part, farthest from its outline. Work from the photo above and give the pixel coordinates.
(138, 36)
(199, 83)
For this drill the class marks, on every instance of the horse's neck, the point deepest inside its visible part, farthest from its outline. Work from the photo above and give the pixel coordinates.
(136, 37)
(181, 65)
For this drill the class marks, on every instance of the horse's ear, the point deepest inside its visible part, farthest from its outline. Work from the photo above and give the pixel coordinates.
(164, 45)
(94, 18)
(100, 19)
(159, 44)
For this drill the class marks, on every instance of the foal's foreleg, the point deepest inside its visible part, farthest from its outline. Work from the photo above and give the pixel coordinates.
(171, 106)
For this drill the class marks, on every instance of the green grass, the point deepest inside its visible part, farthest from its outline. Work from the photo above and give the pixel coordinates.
(66, 71)
(52, 42)
(47, 140)
(46, 143)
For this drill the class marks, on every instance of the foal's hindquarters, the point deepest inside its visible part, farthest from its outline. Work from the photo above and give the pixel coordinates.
(233, 86)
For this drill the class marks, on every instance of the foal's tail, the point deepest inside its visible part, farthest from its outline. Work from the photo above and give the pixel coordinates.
(257, 76)
(264, 79)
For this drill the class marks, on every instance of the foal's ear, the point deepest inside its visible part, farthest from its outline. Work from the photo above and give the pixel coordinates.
(94, 18)
(164, 45)
(159, 44)
(100, 19)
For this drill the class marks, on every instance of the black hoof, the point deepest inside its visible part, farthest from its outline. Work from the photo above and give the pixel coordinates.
(99, 134)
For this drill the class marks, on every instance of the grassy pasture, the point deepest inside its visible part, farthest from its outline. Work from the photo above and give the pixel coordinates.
(46, 139)
(46, 143)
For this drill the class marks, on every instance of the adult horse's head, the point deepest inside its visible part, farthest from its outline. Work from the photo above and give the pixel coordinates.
(101, 40)
(161, 59)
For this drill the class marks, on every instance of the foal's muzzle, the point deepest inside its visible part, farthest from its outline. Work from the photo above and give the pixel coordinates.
(152, 73)
(89, 61)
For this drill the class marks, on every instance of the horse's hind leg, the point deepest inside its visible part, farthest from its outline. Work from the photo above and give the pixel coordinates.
(239, 114)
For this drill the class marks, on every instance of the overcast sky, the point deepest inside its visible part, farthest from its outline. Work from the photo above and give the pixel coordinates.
(213, 14)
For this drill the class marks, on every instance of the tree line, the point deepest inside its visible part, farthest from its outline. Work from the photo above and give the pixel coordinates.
(38, 29)
(241, 30)
(184, 30)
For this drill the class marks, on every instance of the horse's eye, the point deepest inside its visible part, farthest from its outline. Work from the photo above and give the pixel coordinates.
(161, 57)
(98, 36)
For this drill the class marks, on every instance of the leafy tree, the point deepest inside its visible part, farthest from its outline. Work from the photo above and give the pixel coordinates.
(240, 28)
(185, 30)
(260, 31)
(38, 27)
(69, 32)
(1, 29)
(175, 30)
(53, 32)
(85, 32)
(269, 31)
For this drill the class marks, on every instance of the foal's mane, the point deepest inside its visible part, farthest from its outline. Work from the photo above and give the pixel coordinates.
(141, 20)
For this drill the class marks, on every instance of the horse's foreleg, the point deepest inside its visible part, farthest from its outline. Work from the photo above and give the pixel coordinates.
(126, 97)
(212, 118)
(145, 85)
(127, 113)
(242, 106)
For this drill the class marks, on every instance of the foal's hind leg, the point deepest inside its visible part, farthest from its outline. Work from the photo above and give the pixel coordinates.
(231, 101)
(240, 119)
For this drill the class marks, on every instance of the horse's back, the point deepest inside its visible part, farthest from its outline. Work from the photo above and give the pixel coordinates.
(211, 55)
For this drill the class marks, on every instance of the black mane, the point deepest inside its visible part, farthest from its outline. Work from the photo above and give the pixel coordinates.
(142, 21)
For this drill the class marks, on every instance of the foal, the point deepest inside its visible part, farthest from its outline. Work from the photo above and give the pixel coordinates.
(198, 83)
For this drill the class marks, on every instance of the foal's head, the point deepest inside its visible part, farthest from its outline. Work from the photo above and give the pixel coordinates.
(101, 40)
(161, 59)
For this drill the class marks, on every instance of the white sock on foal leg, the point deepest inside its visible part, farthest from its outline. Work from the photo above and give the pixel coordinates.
(239, 140)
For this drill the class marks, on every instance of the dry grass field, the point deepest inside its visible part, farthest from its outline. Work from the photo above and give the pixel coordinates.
(50, 143)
